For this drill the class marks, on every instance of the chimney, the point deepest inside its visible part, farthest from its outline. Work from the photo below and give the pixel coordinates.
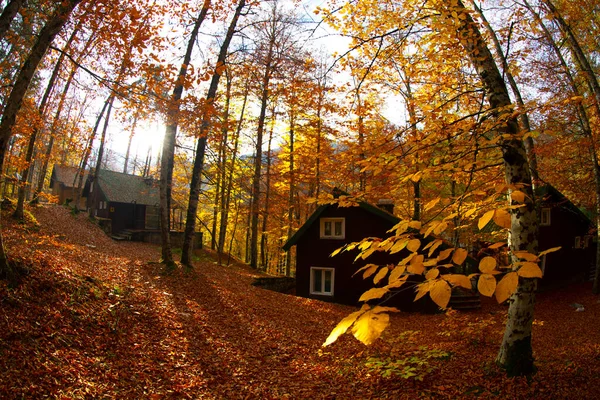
(386, 205)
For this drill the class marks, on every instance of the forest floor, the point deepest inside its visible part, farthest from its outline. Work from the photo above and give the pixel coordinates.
(95, 318)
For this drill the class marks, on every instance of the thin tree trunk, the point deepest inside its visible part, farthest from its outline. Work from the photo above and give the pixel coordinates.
(223, 170)
(292, 189)
(95, 177)
(195, 185)
(263, 233)
(515, 355)
(168, 150)
(227, 202)
(131, 135)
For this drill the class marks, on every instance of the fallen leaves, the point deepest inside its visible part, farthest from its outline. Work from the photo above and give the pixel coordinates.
(100, 322)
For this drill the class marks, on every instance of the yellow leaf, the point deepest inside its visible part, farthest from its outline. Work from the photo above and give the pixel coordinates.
(369, 326)
(431, 204)
(530, 270)
(397, 282)
(506, 286)
(552, 250)
(518, 196)
(502, 218)
(440, 293)
(459, 280)
(343, 325)
(398, 246)
(380, 275)
(430, 262)
(527, 256)
(363, 268)
(370, 271)
(434, 246)
(487, 264)
(483, 221)
(414, 224)
(422, 289)
(336, 252)
(416, 268)
(379, 309)
(445, 254)
(486, 285)
(374, 293)
(396, 273)
(497, 245)
(407, 259)
(413, 245)
(440, 228)
(470, 212)
(459, 256)
(432, 273)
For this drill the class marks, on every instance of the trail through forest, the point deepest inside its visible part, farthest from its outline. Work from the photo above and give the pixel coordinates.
(96, 318)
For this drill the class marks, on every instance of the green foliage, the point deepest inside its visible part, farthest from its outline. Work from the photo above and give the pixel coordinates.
(414, 365)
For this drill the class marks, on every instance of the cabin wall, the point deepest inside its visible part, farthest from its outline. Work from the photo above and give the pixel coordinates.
(569, 264)
(312, 251)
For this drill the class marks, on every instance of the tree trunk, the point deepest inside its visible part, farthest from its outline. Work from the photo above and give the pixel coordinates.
(515, 355)
(263, 233)
(168, 150)
(8, 14)
(227, 202)
(195, 185)
(15, 99)
(95, 177)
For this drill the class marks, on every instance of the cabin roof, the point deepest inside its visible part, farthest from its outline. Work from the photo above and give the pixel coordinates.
(552, 197)
(66, 175)
(315, 216)
(126, 188)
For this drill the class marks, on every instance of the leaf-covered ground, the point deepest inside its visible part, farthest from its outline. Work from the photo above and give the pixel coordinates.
(96, 318)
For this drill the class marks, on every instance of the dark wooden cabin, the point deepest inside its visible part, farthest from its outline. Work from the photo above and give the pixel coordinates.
(127, 201)
(322, 277)
(63, 182)
(564, 224)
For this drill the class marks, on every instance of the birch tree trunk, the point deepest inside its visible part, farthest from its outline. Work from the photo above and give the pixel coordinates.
(515, 355)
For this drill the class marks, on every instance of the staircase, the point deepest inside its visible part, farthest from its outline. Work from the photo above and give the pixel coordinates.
(122, 235)
(464, 300)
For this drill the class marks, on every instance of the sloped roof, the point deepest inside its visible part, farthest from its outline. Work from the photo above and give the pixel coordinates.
(66, 175)
(552, 197)
(315, 216)
(125, 188)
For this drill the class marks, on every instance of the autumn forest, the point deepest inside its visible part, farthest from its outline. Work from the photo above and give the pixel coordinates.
(248, 117)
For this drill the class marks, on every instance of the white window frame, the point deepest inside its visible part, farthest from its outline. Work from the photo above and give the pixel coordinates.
(321, 270)
(322, 223)
(545, 217)
(586, 241)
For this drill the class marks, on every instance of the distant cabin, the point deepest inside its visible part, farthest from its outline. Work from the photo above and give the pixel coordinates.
(64, 181)
(322, 277)
(564, 224)
(127, 201)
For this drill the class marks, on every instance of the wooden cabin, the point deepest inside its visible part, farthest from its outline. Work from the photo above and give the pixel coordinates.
(322, 277)
(564, 224)
(125, 202)
(64, 181)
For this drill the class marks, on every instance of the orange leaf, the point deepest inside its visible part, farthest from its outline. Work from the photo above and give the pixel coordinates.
(483, 221)
(413, 245)
(458, 280)
(459, 256)
(440, 293)
(506, 286)
(486, 285)
(502, 218)
(487, 264)
(380, 275)
(530, 270)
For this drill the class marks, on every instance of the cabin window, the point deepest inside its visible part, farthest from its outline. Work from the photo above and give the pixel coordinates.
(333, 228)
(577, 242)
(321, 281)
(545, 217)
(586, 241)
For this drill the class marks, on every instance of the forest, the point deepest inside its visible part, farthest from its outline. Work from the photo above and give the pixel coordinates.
(248, 115)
